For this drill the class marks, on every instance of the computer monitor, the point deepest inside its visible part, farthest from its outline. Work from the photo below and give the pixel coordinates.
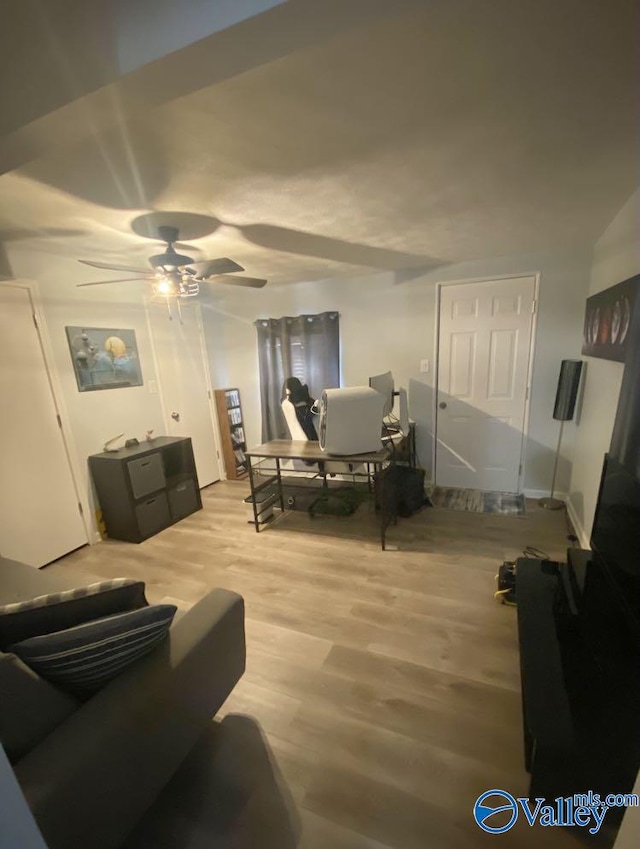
(383, 383)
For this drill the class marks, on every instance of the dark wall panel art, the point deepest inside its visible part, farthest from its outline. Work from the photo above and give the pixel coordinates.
(607, 323)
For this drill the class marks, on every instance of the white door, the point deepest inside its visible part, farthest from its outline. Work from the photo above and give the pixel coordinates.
(39, 508)
(483, 368)
(183, 375)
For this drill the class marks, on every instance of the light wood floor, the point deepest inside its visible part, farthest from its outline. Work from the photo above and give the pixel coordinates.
(386, 684)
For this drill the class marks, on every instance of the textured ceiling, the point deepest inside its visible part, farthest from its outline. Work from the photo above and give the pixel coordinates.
(454, 131)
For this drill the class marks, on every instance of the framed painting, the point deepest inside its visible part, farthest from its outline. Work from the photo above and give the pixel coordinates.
(104, 358)
(607, 322)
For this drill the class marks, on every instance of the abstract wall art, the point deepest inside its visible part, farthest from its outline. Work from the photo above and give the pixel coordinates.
(104, 358)
(607, 322)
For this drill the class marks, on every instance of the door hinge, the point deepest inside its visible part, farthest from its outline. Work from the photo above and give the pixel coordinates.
(534, 306)
(80, 510)
(35, 320)
(59, 420)
(209, 394)
(520, 469)
(526, 394)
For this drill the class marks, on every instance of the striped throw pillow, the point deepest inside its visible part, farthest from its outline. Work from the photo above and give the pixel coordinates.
(56, 611)
(85, 658)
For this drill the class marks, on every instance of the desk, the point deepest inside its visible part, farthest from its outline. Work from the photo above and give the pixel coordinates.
(287, 449)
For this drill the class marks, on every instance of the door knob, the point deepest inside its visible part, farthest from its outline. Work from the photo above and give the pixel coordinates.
(443, 405)
(175, 417)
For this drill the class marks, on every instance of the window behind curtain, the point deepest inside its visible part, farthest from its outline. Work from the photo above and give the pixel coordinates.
(303, 346)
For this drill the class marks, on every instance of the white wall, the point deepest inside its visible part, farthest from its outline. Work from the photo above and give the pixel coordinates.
(92, 417)
(616, 257)
(386, 324)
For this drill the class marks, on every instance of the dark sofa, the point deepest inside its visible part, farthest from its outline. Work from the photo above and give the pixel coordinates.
(90, 779)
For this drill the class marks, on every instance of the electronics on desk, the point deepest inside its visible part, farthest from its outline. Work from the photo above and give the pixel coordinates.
(383, 383)
(350, 420)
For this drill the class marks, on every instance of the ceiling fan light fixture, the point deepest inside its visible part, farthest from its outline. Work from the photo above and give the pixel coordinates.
(172, 275)
(165, 287)
(189, 287)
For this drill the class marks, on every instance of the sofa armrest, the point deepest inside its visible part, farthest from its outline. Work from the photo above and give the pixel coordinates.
(92, 778)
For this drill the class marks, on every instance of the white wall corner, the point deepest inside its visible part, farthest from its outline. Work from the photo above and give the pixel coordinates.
(583, 538)
(578, 527)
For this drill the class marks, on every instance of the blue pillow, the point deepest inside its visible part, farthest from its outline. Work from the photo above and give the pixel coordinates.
(85, 658)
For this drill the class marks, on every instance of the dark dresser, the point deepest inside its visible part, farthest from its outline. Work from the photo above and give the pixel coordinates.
(146, 488)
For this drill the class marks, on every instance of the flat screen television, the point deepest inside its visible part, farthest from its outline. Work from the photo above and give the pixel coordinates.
(615, 537)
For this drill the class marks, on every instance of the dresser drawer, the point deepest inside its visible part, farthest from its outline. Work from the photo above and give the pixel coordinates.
(183, 499)
(146, 475)
(153, 515)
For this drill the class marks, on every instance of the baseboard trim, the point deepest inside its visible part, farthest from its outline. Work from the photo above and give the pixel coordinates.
(543, 493)
(577, 526)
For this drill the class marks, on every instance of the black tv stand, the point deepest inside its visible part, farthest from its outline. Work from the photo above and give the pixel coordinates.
(580, 689)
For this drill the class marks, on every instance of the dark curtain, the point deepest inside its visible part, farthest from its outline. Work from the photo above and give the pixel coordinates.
(302, 346)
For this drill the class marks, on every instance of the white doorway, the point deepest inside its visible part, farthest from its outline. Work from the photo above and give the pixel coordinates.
(40, 513)
(183, 376)
(484, 355)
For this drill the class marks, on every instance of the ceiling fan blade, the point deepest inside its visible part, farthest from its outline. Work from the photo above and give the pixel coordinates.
(40, 233)
(224, 265)
(250, 282)
(111, 267)
(118, 280)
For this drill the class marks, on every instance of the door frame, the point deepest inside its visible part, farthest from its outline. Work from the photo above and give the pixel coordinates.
(213, 416)
(532, 344)
(55, 387)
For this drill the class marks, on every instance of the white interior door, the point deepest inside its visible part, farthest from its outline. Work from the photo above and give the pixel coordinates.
(184, 382)
(39, 509)
(483, 368)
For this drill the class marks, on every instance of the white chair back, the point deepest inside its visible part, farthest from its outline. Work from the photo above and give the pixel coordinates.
(295, 428)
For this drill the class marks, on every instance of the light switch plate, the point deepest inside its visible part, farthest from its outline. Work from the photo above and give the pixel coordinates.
(424, 366)
(153, 387)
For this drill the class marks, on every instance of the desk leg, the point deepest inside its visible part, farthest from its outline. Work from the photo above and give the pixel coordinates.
(280, 493)
(378, 476)
(253, 495)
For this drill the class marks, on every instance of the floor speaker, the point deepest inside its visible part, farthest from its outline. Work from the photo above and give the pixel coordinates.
(567, 393)
(563, 411)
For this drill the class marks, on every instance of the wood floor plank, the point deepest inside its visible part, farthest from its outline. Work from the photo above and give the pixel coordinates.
(458, 694)
(272, 709)
(421, 717)
(280, 642)
(321, 833)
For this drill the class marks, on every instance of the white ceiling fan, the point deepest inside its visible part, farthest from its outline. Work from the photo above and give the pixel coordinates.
(173, 275)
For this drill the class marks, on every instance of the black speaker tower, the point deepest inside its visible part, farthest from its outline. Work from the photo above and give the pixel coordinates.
(563, 410)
